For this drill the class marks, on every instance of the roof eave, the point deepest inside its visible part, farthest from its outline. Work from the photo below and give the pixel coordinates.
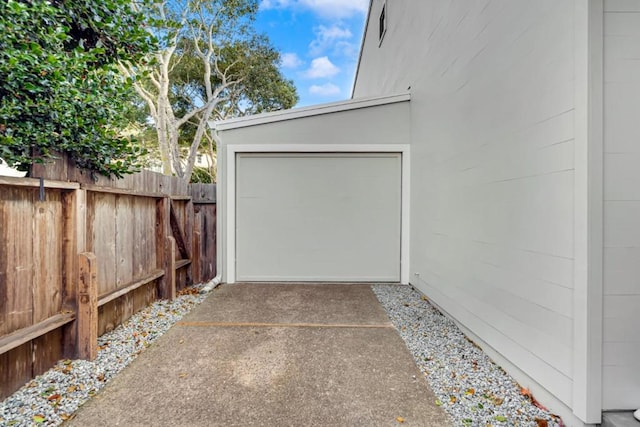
(315, 110)
(364, 34)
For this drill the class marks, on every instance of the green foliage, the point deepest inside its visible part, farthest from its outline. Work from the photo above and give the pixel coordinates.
(244, 75)
(252, 62)
(60, 89)
(263, 87)
(202, 175)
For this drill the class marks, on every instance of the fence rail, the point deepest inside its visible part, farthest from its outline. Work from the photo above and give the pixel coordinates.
(78, 256)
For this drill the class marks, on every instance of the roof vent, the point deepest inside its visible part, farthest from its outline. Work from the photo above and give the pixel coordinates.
(382, 21)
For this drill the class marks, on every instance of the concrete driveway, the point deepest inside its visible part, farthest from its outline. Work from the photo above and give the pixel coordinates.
(273, 355)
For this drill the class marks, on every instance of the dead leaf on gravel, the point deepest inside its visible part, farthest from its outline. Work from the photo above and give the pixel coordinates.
(526, 393)
(189, 291)
(541, 422)
(497, 400)
(54, 397)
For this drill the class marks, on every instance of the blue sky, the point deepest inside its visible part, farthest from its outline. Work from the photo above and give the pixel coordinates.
(319, 41)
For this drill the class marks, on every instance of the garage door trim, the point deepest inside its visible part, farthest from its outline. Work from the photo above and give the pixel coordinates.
(230, 188)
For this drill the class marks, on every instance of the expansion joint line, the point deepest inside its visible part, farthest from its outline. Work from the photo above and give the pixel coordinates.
(281, 325)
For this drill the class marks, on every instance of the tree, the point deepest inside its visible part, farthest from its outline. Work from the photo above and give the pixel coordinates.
(60, 88)
(212, 64)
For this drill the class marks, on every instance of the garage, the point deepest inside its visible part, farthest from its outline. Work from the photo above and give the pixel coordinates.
(333, 216)
(316, 194)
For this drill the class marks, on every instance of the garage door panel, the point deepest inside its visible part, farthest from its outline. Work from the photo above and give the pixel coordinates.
(318, 217)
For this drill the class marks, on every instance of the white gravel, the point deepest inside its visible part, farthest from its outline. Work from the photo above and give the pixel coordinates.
(468, 385)
(54, 396)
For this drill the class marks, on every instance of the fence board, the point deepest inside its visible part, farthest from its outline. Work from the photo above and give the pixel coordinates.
(15, 368)
(177, 221)
(24, 335)
(109, 315)
(103, 231)
(35, 183)
(208, 238)
(47, 350)
(145, 295)
(143, 226)
(161, 234)
(4, 266)
(16, 258)
(196, 248)
(47, 257)
(124, 240)
(203, 193)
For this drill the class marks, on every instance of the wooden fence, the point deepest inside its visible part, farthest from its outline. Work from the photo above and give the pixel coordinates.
(78, 256)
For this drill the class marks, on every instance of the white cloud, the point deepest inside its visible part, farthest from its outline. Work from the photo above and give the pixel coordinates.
(337, 8)
(328, 37)
(347, 50)
(324, 8)
(332, 33)
(327, 89)
(322, 67)
(275, 4)
(290, 60)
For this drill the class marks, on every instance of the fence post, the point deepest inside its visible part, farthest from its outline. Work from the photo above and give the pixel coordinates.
(188, 235)
(87, 314)
(168, 290)
(74, 206)
(196, 269)
(163, 213)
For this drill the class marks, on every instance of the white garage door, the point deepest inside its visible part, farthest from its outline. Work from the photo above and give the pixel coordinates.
(318, 216)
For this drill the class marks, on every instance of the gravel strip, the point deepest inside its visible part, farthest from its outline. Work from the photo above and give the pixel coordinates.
(468, 385)
(54, 396)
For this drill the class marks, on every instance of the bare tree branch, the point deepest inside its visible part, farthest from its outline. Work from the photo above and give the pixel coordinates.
(195, 30)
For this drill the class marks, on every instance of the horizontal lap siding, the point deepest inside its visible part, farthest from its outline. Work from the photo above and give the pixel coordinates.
(492, 186)
(621, 352)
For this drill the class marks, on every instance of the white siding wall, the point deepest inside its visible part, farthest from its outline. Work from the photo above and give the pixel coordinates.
(379, 124)
(621, 353)
(492, 188)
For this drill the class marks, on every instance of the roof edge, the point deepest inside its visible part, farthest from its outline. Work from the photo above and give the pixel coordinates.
(364, 34)
(315, 110)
